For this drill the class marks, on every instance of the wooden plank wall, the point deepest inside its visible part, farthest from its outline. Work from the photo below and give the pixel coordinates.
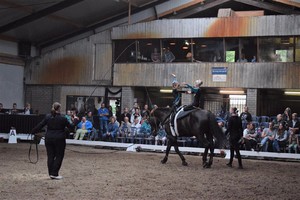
(274, 25)
(77, 63)
(239, 75)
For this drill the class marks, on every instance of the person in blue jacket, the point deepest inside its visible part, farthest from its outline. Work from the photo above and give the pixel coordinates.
(103, 113)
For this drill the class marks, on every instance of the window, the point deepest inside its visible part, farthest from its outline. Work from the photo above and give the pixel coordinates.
(238, 101)
(232, 49)
(248, 49)
(148, 51)
(125, 51)
(276, 49)
(208, 49)
(297, 49)
(177, 50)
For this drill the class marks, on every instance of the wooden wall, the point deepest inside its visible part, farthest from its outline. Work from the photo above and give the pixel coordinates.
(84, 62)
(239, 75)
(275, 25)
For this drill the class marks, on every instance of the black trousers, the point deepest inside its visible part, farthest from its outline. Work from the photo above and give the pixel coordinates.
(55, 152)
(234, 146)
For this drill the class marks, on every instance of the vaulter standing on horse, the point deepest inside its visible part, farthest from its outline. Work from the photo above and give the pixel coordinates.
(197, 97)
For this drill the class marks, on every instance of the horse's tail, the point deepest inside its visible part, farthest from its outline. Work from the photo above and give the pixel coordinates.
(221, 140)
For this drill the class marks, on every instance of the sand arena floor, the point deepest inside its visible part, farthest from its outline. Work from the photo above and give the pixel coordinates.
(110, 174)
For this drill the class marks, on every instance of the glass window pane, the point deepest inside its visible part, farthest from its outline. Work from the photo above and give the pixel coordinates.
(248, 48)
(276, 49)
(232, 49)
(208, 50)
(149, 51)
(297, 56)
(125, 51)
(176, 50)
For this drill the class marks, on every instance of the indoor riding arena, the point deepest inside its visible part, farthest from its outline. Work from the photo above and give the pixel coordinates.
(149, 99)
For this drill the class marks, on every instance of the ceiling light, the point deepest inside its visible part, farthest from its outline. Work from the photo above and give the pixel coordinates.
(149, 44)
(172, 43)
(185, 47)
(165, 90)
(203, 45)
(232, 92)
(292, 93)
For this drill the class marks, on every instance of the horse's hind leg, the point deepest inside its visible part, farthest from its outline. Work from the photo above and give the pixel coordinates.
(184, 163)
(211, 156)
(165, 159)
(204, 158)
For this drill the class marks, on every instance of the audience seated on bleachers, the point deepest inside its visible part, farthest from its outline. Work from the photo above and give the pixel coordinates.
(267, 136)
(83, 128)
(112, 130)
(2, 110)
(14, 109)
(249, 137)
(280, 138)
(135, 115)
(94, 135)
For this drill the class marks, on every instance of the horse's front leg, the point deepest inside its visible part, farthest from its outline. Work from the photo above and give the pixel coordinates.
(169, 145)
(204, 157)
(211, 156)
(184, 163)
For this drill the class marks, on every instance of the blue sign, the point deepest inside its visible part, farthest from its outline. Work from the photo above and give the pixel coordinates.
(219, 74)
(219, 70)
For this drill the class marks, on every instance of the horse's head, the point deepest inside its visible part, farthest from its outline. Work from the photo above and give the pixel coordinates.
(158, 116)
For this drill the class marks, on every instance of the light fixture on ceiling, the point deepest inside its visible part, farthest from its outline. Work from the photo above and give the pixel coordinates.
(232, 92)
(172, 43)
(165, 91)
(292, 93)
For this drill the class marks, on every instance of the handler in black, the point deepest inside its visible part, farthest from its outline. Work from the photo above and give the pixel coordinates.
(235, 131)
(55, 139)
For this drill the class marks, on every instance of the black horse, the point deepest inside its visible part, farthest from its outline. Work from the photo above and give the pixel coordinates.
(199, 123)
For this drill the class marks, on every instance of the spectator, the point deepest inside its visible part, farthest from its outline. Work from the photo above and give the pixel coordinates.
(135, 127)
(118, 114)
(249, 137)
(278, 120)
(287, 115)
(83, 128)
(145, 110)
(294, 124)
(28, 110)
(168, 56)
(1, 108)
(103, 117)
(221, 125)
(69, 116)
(280, 138)
(135, 115)
(125, 114)
(246, 116)
(145, 130)
(268, 136)
(110, 111)
(125, 128)
(112, 130)
(135, 105)
(236, 133)
(161, 136)
(293, 143)
(94, 132)
(14, 109)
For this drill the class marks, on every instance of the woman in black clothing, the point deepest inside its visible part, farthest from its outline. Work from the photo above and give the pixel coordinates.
(55, 139)
(235, 131)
